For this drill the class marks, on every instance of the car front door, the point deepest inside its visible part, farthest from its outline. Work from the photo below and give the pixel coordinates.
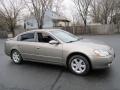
(48, 52)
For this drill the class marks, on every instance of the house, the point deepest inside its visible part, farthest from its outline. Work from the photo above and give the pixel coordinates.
(51, 20)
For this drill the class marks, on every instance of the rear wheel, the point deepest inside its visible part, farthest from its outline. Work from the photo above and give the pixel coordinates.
(79, 65)
(16, 57)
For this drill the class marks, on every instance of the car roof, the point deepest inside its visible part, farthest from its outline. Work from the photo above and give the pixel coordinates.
(45, 30)
(38, 30)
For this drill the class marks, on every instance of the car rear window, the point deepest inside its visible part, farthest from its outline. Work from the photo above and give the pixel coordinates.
(27, 37)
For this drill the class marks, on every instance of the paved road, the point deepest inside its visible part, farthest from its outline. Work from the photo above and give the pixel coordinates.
(36, 76)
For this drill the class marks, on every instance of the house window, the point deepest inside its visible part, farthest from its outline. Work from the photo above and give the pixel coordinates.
(30, 24)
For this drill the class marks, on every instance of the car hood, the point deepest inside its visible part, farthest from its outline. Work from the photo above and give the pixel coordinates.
(92, 43)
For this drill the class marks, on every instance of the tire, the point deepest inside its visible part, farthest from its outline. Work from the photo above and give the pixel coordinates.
(79, 65)
(16, 57)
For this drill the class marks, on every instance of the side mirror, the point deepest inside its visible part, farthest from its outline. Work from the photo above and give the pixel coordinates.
(53, 42)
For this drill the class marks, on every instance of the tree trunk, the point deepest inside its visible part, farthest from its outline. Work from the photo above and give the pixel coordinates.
(13, 32)
(105, 20)
(11, 28)
(40, 24)
(85, 26)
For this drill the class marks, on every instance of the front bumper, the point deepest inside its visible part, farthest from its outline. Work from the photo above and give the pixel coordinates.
(102, 62)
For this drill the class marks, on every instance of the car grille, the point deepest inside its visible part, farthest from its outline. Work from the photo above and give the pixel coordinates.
(111, 51)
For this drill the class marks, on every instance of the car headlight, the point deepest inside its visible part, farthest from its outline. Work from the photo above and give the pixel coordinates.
(101, 53)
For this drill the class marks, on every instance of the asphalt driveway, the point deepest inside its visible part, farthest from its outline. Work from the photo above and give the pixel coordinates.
(37, 76)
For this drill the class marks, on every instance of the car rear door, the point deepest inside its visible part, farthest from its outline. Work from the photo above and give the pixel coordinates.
(27, 46)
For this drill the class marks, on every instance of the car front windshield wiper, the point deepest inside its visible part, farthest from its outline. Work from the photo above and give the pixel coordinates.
(73, 41)
(70, 41)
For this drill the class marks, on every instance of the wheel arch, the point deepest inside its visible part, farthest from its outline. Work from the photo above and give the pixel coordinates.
(78, 53)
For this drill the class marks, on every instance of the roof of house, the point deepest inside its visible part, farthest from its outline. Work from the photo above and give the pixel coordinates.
(53, 15)
(58, 17)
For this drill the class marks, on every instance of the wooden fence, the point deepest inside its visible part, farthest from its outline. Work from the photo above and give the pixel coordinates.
(3, 34)
(78, 30)
(92, 29)
(75, 29)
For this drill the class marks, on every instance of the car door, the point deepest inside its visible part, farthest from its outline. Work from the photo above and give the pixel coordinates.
(48, 52)
(27, 45)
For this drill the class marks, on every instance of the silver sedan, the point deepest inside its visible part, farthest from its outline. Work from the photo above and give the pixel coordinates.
(56, 46)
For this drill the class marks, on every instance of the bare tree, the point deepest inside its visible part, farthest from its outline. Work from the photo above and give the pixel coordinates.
(75, 17)
(38, 8)
(95, 11)
(107, 8)
(58, 7)
(82, 7)
(10, 12)
(116, 16)
(103, 10)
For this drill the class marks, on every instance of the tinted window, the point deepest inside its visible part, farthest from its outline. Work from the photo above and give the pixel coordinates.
(28, 37)
(44, 37)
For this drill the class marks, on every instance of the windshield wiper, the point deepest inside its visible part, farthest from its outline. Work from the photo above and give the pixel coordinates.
(73, 41)
(70, 41)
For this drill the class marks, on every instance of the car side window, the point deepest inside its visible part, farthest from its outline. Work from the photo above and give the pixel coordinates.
(44, 37)
(29, 37)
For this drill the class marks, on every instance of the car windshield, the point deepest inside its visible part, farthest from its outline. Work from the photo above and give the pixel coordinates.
(65, 36)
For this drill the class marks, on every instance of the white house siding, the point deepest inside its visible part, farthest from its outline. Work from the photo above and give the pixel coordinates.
(48, 23)
(31, 24)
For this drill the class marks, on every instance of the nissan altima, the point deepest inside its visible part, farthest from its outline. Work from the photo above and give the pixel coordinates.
(55, 46)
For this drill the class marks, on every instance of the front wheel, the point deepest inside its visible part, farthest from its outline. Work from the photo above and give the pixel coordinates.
(16, 57)
(79, 65)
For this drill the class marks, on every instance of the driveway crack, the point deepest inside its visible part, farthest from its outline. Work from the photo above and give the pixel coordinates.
(57, 79)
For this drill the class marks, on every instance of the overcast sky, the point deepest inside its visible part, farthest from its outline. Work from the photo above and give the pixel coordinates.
(68, 7)
(68, 10)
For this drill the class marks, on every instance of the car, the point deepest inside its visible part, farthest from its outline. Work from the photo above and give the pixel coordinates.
(56, 46)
